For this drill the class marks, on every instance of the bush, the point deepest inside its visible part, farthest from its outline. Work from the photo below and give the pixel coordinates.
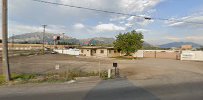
(24, 77)
(104, 75)
(2, 81)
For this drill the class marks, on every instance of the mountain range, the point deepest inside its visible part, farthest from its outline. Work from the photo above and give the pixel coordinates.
(179, 44)
(36, 37)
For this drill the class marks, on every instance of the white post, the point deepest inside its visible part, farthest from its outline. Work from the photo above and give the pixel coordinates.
(99, 69)
(109, 73)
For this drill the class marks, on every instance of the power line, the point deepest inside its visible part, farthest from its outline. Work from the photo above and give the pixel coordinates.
(118, 13)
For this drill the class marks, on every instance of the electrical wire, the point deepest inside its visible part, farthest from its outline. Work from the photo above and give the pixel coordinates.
(118, 13)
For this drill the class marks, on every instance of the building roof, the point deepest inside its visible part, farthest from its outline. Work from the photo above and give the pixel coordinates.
(95, 47)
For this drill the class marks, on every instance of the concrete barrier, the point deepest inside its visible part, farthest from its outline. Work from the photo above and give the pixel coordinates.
(68, 51)
(192, 55)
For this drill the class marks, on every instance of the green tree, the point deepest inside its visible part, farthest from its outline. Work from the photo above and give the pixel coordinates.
(129, 42)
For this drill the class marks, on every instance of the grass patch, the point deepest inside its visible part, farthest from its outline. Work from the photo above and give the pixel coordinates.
(104, 75)
(23, 77)
(52, 77)
(125, 58)
(2, 81)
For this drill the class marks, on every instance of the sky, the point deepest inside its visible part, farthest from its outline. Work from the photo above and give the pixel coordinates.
(26, 16)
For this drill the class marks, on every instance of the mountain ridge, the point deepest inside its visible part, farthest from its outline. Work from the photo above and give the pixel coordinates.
(179, 44)
(36, 37)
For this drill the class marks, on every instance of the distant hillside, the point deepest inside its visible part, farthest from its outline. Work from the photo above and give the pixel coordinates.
(145, 44)
(97, 41)
(107, 41)
(36, 37)
(179, 44)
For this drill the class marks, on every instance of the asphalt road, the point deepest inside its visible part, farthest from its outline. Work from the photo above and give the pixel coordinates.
(118, 89)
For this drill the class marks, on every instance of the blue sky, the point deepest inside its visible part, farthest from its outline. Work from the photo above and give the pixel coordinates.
(27, 16)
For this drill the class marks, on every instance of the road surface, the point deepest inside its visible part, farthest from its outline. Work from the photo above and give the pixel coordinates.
(116, 89)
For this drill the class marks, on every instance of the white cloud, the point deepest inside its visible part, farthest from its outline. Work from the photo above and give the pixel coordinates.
(79, 26)
(129, 25)
(109, 27)
(193, 21)
(131, 18)
(199, 38)
(175, 23)
(142, 30)
(138, 5)
(28, 15)
(173, 39)
(138, 21)
(18, 28)
(116, 18)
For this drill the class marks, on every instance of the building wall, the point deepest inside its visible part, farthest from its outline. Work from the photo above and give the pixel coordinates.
(113, 53)
(85, 52)
(186, 47)
(167, 55)
(31, 46)
(139, 54)
(164, 54)
(149, 54)
(68, 51)
(192, 55)
(101, 53)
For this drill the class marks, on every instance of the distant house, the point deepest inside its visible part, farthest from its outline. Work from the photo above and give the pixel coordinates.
(186, 47)
(99, 51)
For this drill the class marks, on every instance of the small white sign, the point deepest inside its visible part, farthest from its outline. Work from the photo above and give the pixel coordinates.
(187, 56)
(57, 67)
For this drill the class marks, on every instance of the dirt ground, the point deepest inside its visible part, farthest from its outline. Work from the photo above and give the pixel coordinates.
(46, 63)
(140, 68)
(164, 78)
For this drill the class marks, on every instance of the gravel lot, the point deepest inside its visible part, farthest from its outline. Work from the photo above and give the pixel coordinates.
(140, 68)
(46, 63)
(151, 78)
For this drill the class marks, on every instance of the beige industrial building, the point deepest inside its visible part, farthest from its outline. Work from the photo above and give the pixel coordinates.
(99, 51)
(186, 47)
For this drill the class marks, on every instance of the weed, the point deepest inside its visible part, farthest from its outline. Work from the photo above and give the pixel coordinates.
(24, 77)
(2, 80)
(52, 77)
(125, 57)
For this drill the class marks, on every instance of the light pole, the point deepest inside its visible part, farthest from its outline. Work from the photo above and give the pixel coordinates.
(5, 60)
(44, 26)
(63, 42)
(12, 41)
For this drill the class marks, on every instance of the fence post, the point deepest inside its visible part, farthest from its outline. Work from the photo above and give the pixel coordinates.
(99, 69)
(109, 73)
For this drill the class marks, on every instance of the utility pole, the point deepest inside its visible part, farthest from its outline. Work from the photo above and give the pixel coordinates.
(5, 60)
(63, 43)
(12, 41)
(44, 26)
